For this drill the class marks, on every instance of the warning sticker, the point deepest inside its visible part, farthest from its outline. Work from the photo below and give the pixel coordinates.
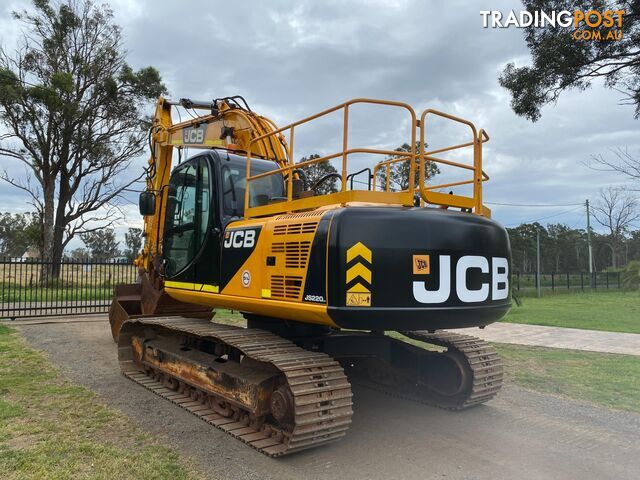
(357, 299)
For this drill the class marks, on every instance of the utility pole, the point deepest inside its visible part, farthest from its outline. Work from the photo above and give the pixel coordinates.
(538, 262)
(589, 243)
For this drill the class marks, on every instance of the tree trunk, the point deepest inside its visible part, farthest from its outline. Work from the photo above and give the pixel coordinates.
(59, 226)
(49, 189)
(56, 254)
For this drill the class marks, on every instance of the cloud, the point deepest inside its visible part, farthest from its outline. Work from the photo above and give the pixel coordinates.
(291, 59)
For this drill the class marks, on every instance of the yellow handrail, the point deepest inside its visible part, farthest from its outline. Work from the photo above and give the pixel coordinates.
(345, 141)
(415, 158)
(478, 139)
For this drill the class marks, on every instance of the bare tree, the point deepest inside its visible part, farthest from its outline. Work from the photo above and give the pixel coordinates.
(623, 162)
(616, 210)
(73, 111)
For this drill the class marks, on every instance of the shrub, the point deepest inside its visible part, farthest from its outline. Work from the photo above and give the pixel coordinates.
(631, 276)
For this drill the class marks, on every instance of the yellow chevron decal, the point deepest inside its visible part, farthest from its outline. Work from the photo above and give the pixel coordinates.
(358, 249)
(358, 288)
(359, 270)
(359, 295)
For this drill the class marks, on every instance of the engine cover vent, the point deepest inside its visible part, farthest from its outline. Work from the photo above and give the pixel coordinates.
(295, 228)
(286, 286)
(296, 253)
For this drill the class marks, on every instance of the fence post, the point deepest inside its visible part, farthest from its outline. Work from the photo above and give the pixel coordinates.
(568, 286)
(518, 280)
(582, 281)
(595, 280)
(606, 276)
(618, 280)
(3, 281)
(553, 285)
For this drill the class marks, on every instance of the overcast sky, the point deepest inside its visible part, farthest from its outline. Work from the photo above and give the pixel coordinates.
(293, 58)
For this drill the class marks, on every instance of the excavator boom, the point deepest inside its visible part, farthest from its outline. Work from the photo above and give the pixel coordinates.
(229, 124)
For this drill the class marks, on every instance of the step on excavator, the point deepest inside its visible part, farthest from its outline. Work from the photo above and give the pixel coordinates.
(357, 285)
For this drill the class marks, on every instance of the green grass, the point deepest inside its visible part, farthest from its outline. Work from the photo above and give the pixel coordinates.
(16, 293)
(610, 311)
(603, 379)
(53, 429)
(229, 317)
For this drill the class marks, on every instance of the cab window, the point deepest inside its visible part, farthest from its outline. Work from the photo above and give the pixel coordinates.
(187, 215)
(261, 192)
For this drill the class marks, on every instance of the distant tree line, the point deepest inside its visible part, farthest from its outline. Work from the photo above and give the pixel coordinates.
(102, 245)
(21, 234)
(565, 249)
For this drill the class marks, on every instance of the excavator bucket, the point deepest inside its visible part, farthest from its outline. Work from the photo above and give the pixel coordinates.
(126, 304)
(140, 300)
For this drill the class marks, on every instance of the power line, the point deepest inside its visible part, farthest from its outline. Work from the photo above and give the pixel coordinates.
(548, 216)
(580, 220)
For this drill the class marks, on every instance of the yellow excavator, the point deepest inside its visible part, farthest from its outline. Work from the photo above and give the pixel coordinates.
(336, 288)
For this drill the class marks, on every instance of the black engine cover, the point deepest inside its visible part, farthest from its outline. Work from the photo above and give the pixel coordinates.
(416, 268)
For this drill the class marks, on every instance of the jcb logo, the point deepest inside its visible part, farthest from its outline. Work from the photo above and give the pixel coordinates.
(240, 239)
(496, 289)
(194, 134)
(421, 264)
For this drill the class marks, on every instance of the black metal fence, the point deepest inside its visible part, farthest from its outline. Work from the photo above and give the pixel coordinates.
(30, 287)
(567, 281)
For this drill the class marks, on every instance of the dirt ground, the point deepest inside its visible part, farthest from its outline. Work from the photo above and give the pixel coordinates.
(520, 434)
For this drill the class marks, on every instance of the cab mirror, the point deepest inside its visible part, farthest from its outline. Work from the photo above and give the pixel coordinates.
(147, 203)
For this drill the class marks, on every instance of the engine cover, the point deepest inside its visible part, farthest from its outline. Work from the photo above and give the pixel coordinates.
(395, 268)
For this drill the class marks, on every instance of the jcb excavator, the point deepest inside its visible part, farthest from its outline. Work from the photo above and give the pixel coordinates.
(341, 287)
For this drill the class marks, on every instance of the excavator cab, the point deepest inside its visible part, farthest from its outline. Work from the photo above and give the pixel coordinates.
(205, 194)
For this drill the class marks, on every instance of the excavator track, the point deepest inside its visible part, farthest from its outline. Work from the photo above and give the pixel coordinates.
(483, 360)
(480, 365)
(321, 394)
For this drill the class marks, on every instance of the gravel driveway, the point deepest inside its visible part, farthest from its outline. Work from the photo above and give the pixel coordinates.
(520, 434)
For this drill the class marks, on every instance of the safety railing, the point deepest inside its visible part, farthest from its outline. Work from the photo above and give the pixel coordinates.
(416, 160)
(428, 193)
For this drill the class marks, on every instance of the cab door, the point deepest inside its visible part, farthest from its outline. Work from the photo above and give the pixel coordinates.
(191, 244)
